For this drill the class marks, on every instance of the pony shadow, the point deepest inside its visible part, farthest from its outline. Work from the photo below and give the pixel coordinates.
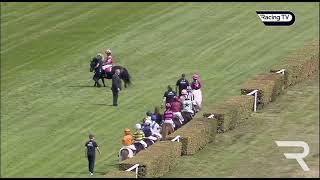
(101, 104)
(77, 172)
(77, 86)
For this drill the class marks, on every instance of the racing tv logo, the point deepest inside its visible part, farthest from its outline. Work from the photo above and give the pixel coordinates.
(276, 18)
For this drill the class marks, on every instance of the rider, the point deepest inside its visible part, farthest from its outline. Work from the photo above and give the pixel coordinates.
(196, 87)
(176, 108)
(139, 135)
(196, 84)
(184, 95)
(168, 115)
(147, 129)
(108, 61)
(155, 127)
(187, 105)
(190, 96)
(99, 58)
(127, 140)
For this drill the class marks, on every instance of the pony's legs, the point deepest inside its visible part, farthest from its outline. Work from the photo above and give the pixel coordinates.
(103, 82)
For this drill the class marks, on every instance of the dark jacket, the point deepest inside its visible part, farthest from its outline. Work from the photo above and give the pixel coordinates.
(116, 82)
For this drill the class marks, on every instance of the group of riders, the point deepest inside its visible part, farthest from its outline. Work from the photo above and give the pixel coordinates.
(179, 109)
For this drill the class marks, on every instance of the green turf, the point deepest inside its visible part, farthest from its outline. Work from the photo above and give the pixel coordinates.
(48, 106)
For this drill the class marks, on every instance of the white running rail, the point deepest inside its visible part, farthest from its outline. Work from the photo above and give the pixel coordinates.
(177, 138)
(281, 71)
(211, 116)
(255, 93)
(136, 166)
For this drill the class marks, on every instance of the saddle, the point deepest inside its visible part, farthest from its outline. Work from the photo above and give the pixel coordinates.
(107, 68)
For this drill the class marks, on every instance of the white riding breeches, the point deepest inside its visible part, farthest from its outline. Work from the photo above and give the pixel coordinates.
(179, 115)
(106, 66)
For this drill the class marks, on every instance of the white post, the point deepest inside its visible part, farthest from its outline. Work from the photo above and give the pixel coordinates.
(281, 71)
(136, 166)
(177, 138)
(255, 92)
(211, 116)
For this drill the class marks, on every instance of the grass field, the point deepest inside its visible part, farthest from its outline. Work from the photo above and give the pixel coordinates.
(48, 106)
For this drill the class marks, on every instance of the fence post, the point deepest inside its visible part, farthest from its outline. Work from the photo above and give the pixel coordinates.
(136, 166)
(255, 92)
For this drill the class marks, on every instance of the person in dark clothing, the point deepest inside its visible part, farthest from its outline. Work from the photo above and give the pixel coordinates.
(182, 83)
(116, 86)
(168, 96)
(90, 152)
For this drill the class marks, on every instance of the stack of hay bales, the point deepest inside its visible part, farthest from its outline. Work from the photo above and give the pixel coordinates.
(228, 113)
(300, 65)
(195, 135)
(156, 160)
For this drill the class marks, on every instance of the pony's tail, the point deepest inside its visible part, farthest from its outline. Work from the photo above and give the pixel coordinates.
(126, 76)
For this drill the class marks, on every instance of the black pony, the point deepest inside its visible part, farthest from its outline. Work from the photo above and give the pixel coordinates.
(101, 74)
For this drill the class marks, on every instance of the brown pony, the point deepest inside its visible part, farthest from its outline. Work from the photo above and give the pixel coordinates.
(166, 129)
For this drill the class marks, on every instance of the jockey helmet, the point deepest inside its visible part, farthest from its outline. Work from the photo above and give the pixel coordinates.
(195, 77)
(168, 105)
(149, 113)
(126, 130)
(184, 92)
(108, 51)
(176, 98)
(189, 88)
(153, 117)
(138, 126)
(99, 56)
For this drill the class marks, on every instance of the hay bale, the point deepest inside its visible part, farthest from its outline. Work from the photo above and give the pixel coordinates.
(121, 174)
(195, 135)
(277, 78)
(300, 65)
(156, 160)
(229, 113)
(244, 103)
(265, 89)
(225, 115)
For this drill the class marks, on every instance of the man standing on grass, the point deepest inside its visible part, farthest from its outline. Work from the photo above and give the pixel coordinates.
(90, 152)
(116, 86)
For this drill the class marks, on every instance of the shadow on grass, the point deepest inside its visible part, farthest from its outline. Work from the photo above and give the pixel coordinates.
(75, 172)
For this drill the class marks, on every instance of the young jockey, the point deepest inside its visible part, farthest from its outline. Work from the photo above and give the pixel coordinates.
(147, 129)
(190, 96)
(176, 108)
(139, 135)
(127, 140)
(155, 127)
(184, 94)
(187, 106)
(168, 115)
(196, 87)
(108, 61)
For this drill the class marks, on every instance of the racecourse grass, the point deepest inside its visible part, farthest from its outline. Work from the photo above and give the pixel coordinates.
(48, 104)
